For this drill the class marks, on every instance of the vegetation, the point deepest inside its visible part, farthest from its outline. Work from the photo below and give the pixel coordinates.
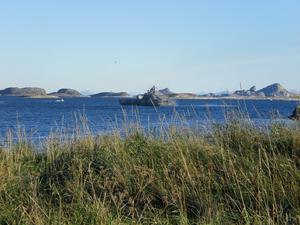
(236, 172)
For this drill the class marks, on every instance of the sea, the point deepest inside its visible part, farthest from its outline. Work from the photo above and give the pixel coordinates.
(38, 118)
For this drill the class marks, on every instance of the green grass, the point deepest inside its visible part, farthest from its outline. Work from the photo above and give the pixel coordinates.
(239, 172)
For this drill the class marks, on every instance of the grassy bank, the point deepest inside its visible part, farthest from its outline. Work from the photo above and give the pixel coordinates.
(238, 172)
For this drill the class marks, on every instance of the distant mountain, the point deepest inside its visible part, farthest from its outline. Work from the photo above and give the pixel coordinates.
(14, 91)
(201, 93)
(294, 91)
(216, 94)
(134, 93)
(224, 92)
(87, 92)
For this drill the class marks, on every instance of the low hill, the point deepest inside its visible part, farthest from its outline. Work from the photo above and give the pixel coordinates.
(166, 91)
(87, 92)
(273, 90)
(67, 93)
(183, 96)
(14, 91)
(112, 94)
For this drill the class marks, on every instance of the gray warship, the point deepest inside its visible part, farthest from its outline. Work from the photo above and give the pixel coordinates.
(150, 98)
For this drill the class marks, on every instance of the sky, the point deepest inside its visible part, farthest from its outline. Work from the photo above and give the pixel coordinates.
(189, 46)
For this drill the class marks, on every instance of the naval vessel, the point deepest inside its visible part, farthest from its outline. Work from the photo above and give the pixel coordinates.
(150, 98)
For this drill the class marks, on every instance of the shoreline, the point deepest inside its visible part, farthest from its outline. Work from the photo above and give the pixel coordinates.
(244, 98)
(172, 98)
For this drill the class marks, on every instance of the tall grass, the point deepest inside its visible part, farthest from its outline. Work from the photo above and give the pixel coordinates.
(236, 172)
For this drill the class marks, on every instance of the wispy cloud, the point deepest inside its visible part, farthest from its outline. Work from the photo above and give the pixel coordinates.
(253, 61)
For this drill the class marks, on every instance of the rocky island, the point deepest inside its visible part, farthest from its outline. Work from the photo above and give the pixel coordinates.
(296, 114)
(112, 95)
(34, 92)
(67, 93)
(271, 92)
(14, 91)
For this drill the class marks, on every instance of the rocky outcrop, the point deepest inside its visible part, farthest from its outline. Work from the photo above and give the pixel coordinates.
(260, 94)
(112, 94)
(275, 90)
(249, 92)
(252, 89)
(183, 96)
(14, 91)
(67, 93)
(211, 95)
(296, 114)
(166, 91)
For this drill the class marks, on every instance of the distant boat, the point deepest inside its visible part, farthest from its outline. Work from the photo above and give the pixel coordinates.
(61, 100)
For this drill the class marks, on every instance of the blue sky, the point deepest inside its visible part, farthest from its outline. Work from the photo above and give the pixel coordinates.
(187, 46)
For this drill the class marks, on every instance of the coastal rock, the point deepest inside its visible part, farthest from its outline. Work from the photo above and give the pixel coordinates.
(252, 89)
(260, 94)
(67, 93)
(211, 95)
(166, 91)
(296, 114)
(183, 96)
(112, 94)
(225, 94)
(275, 90)
(14, 91)
(239, 92)
(248, 93)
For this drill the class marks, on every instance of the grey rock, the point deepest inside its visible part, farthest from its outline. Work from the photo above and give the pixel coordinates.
(225, 94)
(14, 91)
(260, 94)
(241, 93)
(214, 95)
(296, 114)
(252, 89)
(275, 90)
(112, 94)
(67, 93)
(166, 91)
(248, 93)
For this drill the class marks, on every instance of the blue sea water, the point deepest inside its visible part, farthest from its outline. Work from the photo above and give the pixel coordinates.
(40, 116)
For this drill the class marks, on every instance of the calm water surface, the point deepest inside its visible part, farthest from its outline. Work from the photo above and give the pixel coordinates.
(39, 116)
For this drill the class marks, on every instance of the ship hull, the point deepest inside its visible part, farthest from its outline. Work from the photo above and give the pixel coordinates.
(145, 103)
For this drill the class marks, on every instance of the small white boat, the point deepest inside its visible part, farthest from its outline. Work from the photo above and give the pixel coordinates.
(61, 100)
